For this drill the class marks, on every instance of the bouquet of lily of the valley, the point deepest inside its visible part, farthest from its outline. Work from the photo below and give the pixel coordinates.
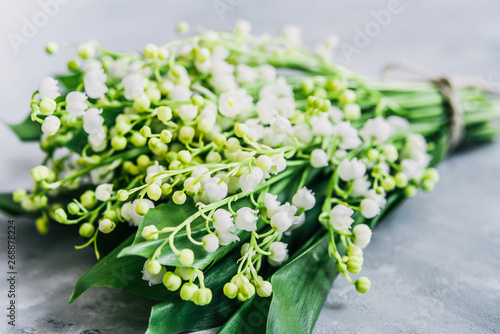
(233, 174)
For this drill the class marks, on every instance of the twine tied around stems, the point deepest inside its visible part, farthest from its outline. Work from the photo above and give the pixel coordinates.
(447, 89)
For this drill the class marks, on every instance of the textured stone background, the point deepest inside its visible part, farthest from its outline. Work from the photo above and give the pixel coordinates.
(433, 263)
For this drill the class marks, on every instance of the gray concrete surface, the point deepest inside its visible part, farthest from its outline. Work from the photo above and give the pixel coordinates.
(433, 263)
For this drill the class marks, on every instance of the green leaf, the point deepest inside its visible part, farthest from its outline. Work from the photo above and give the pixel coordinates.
(10, 207)
(175, 315)
(70, 81)
(251, 317)
(119, 273)
(300, 289)
(172, 215)
(27, 130)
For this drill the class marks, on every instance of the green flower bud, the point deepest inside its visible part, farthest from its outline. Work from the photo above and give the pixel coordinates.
(186, 257)
(150, 232)
(60, 216)
(182, 27)
(163, 53)
(88, 199)
(372, 154)
(145, 131)
(150, 51)
(379, 190)
(141, 208)
(153, 267)
(247, 290)
(179, 197)
(166, 136)
(86, 50)
(202, 296)
(213, 157)
(175, 165)
(197, 100)
(188, 290)
(157, 146)
(347, 96)
(230, 290)
(42, 225)
(354, 250)
(73, 208)
(184, 156)
(166, 189)
(341, 267)
(138, 140)
(164, 114)
(233, 144)
(388, 183)
(171, 156)
(428, 185)
(86, 230)
(410, 191)
(186, 134)
(431, 174)
(390, 152)
(265, 289)
(220, 140)
(240, 129)
(51, 48)
(401, 180)
(335, 85)
(363, 285)
(307, 86)
(154, 192)
(141, 103)
(47, 106)
(354, 264)
(171, 281)
(119, 143)
(154, 94)
(19, 195)
(39, 173)
(352, 112)
(143, 161)
(111, 214)
(73, 65)
(130, 168)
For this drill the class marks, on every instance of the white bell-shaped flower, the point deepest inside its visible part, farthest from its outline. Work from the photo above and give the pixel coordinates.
(319, 158)
(76, 103)
(304, 199)
(95, 83)
(214, 190)
(233, 103)
(153, 279)
(347, 135)
(340, 217)
(376, 130)
(103, 192)
(351, 169)
(226, 237)
(281, 221)
(92, 120)
(369, 208)
(133, 86)
(279, 251)
(250, 180)
(50, 125)
(223, 220)
(210, 243)
(136, 219)
(48, 88)
(246, 218)
(362, 235)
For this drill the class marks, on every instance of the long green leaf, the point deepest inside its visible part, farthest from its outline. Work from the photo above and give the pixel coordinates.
(119, 273)
(10, 207)
(27, 130)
